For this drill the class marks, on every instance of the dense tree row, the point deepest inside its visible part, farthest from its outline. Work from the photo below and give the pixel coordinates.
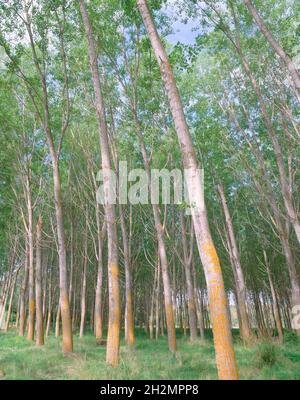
(88, 85)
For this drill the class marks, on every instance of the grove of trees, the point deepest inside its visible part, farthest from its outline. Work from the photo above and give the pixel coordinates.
(86, 85)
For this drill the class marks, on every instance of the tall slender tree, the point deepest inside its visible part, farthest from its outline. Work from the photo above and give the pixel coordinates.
(113, 336)
(225, 355)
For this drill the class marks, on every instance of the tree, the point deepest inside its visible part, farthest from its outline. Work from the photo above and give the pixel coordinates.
(113, 336)
(225, 356)
(276, 46)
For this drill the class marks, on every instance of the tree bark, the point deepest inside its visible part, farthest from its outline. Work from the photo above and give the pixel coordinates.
(151, 317)
(98, 292)
(157, 294)
(274, 300)
(12, 292)
(187, 260)
(276, 46)
(283, 180)
(23, 294)
(57, 321)
(225, 355)
(236, 266)
(83, 287)
(161, 246)
(198, 302)
(7, 284)
(50, 303)
(31, 296)
(113, 336)
(67, 337)
(38, 286)
(267, 192)
(129, 318)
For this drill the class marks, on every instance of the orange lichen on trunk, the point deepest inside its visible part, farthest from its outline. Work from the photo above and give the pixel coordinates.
(130, 336)
(30, 334)
(113, 335)
(171, 330)
(225, 356)
(67, 338)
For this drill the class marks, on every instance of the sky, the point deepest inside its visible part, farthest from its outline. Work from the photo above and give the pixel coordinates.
(182, 32)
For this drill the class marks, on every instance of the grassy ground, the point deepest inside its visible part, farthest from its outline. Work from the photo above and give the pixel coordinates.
(20, 359)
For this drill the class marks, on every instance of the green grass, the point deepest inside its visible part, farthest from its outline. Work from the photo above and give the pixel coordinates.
(20, 359)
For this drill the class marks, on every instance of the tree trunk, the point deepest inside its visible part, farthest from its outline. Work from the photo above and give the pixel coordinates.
(236, 266)
(50, 302)
(285, 189)
(83, 287)
(113, 336)
(225, 356)
(98, 293)
(161, 247)
(187, 260)
(274, 300)
(157, 294)
(129, 319)
(67, 337)
(12, 292)
(151, 318)
(31, 295)
(64, 305)
(98, 323)
(266, 190)
(198, 302)
(57, 321)
(38, 286)
(4, 298)
(23, 294)
(44, 272)
(276, 46)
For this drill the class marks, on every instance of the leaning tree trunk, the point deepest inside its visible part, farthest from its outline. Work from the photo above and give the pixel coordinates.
(83, 287)
(7, 285)
(99, 284)
(113, 336)
(23, 294)
(198, 303)
(225, 355)
(129, 318)
(266, 190)
(67, 337)
(157, 293)
(64, 304)
(161, 247)
(276, 46)
(187, 261)
(57, 321)
(31, 296)
(12, 292)
(283, 179)
(274, 300)
(50, 303)
(38, 286)
(151, 318)
(238, 272)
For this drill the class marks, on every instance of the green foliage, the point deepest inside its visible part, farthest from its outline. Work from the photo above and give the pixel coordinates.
(266, 355)
(213, 87)
(290, 337)
(20, 359)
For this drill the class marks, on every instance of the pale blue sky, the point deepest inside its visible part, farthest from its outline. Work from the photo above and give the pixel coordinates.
(182, 32)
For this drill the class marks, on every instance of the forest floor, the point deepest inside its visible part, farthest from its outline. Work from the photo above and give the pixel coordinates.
(20, 359)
